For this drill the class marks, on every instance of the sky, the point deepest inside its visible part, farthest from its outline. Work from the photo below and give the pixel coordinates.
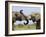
(26, 10)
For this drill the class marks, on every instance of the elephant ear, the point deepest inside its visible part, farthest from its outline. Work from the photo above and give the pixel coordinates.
(35, 16)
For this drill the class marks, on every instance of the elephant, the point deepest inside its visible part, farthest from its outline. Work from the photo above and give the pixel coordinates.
(36, 18)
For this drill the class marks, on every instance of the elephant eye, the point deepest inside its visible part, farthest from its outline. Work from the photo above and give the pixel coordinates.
(29, 19)
(33, 19)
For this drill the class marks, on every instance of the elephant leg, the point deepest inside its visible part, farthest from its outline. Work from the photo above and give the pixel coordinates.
(38, 24)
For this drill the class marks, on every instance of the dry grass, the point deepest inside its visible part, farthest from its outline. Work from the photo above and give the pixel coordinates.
(25, 27)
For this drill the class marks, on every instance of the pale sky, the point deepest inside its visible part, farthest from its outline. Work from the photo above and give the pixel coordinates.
(26, 10)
